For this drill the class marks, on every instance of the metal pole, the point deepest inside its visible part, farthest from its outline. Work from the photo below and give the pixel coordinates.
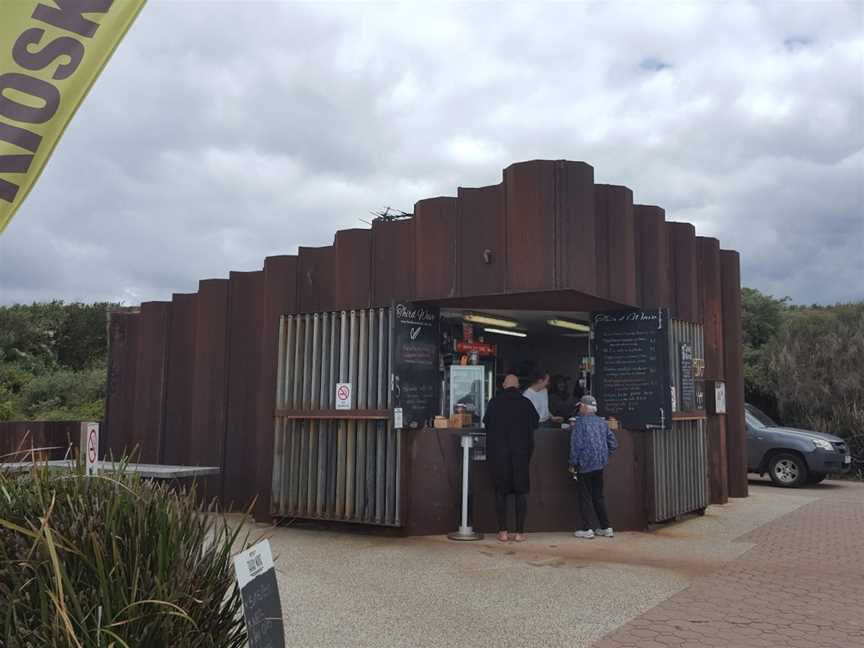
(465, 531)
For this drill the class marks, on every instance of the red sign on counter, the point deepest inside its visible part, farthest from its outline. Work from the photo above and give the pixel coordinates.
(480, 347)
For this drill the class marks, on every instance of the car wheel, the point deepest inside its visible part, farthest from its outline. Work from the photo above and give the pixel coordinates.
(787, 470)
(816, 478)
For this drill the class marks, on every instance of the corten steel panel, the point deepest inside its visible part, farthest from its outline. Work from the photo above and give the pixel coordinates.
(210, 386)
(434, 485)
(148, 423)
(180, 385)
(530, 208)
(557, 300)
(315, 279)
(481, 240)
(246, 296)
(616, 247)
(718, 471)
(435, 245)
(353, 279)
(652, 257)
(280, 297)
(552, 502)
(682, 256)
(736, 440)
(708, 252)
(576, 228)
(39, 440)
(392, 261)
(122, 374)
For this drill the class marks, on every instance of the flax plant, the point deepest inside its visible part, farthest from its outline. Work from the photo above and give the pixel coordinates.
(114, 561)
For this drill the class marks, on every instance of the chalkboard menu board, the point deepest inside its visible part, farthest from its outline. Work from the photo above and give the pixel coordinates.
(631, 360)
(416, 377)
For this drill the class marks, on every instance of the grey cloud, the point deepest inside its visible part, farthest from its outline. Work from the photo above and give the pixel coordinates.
(222, 132)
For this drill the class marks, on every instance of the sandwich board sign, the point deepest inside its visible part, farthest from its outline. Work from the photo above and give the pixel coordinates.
(259, 591)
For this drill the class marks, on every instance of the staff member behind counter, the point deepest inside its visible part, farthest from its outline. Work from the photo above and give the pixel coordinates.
(538, 394)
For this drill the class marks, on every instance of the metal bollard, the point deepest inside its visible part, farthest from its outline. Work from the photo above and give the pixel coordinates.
(465, 532)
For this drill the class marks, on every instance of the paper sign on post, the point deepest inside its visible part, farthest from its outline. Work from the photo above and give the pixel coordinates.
(256, 577)
(343, 396)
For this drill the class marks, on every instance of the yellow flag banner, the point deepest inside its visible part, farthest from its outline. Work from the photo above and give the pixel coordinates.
(51, 52)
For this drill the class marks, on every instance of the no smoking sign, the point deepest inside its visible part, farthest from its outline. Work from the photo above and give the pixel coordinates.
(343, 396)
(90, 446)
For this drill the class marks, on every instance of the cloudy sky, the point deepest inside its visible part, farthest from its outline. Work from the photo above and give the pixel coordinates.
(222, 132)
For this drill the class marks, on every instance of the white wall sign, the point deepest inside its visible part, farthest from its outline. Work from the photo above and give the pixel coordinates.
(343, 396)
(719, 398)
(397, 417)
(89, 446)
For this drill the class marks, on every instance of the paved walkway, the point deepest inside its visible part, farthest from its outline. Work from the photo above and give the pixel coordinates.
(800, 586)
(780, 568)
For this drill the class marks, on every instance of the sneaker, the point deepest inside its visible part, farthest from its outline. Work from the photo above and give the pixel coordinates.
(604, 533)
(585, 535)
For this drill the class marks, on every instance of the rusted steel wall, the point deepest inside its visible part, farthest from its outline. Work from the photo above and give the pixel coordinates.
(711, 301)
(47, 439)
(545, 227)
(315, 279)
(353, 269)
(147, 425)
(393, 262)
(653, 286)
(683, 271)
(435, 245)
(736, 435)
(480, 242)
(245, 316)
(180, 385)
(616, 244)
(205, 438)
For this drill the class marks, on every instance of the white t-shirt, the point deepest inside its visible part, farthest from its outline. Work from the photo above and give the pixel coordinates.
(540, 399)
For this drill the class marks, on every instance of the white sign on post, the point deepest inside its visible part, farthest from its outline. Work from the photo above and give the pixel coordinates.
(343, 396)
(90, 446)
(259, 590)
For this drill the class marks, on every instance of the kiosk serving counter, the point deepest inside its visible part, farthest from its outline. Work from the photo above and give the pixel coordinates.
(372, 405)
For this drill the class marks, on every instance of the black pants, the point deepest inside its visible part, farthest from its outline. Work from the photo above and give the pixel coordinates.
(501, 510)
(590, 487)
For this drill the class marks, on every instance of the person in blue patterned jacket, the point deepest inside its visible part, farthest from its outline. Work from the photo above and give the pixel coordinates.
(591, 444)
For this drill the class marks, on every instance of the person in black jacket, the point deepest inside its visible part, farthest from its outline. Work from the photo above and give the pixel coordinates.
(510, 423)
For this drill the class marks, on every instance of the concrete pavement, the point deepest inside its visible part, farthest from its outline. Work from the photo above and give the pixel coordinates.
(554, 590)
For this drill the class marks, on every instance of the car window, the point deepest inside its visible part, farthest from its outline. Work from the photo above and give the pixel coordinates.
(754, 422)
(761, 418)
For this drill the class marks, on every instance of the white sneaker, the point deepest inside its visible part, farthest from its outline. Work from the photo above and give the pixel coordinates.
(585, 535)
(604, 533)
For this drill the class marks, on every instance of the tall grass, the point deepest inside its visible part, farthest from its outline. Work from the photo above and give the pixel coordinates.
(113, 561)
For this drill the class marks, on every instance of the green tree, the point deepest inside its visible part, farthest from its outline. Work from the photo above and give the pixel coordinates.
(762, 318)
(813, 368)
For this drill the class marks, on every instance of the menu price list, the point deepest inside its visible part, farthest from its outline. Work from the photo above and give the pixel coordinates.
(632, 379)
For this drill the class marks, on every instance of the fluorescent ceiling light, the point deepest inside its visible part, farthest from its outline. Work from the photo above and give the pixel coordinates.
(491, 321)
(573, 326)
(500, 332)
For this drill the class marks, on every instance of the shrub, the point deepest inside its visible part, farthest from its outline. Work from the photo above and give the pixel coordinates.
(114, 561)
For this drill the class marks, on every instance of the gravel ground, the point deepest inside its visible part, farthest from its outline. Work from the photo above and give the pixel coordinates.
(341, 589)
